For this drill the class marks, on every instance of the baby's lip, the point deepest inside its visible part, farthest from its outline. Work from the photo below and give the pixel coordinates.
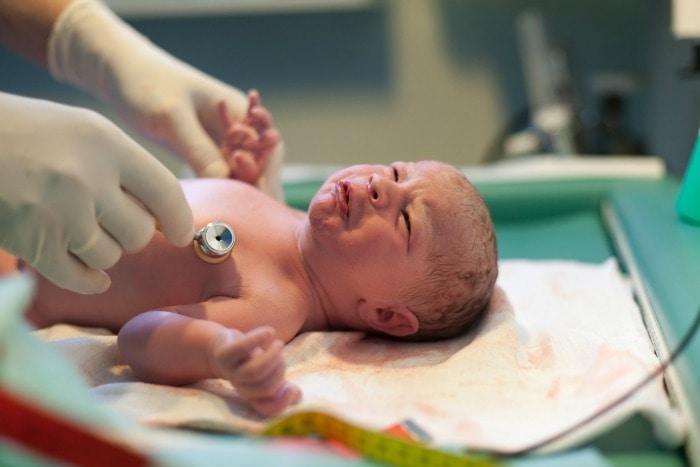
(342, 198)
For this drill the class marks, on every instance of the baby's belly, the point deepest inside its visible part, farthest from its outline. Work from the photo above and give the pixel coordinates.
(139, 283)
(108, 310)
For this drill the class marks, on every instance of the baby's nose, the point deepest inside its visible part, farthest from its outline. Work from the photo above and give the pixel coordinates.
(378, 190)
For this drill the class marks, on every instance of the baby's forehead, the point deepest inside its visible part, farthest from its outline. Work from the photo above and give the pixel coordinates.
(447, 183)
(452, 206)
(436, 171)
(428, 169)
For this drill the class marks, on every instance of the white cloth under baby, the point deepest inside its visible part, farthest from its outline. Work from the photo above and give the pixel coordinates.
(561, 340)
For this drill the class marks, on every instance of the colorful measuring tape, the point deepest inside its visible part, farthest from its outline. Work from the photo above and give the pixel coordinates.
(397, 446)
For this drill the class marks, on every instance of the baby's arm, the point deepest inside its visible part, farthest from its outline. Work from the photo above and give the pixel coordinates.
(168, 348)
(253, 148)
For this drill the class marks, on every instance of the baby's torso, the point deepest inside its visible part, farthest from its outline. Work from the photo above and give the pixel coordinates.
(261, 266)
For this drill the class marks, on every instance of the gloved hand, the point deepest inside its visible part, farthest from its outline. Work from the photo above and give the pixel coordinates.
(168, 100)
(75, 192)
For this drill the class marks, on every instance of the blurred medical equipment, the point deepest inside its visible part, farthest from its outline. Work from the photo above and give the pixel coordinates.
(554, 121)
(214, 241)
(605, 128)
(551, 99)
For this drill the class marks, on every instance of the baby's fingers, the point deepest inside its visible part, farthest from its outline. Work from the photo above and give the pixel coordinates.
(259, 118)
(239, 135)
(268, 141)
(253, 98)
(245, 167)
(237, 349)
(288, 395)
(264, 384)
(262, 365)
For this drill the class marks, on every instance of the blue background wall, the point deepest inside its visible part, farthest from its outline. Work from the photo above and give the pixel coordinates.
(409, 79)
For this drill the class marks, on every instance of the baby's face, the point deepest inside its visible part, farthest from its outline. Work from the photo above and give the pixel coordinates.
(380, 222)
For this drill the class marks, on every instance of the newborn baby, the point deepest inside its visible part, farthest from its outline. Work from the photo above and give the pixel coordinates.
(406, 250)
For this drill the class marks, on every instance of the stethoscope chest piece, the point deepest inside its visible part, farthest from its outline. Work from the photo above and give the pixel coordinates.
(213, 243)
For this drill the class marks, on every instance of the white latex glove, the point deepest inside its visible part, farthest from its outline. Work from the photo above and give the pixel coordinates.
(164, 98)
(75, 192)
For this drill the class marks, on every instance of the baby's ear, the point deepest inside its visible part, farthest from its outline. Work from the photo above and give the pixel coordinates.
(395, 319)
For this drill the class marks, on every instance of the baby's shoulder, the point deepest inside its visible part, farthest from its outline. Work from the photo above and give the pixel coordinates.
(279, 303)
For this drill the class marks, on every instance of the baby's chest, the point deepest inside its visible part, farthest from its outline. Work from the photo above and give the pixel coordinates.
(245, 273)
(249, 312)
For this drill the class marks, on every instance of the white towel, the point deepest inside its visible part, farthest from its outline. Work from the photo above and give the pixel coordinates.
(561, 340)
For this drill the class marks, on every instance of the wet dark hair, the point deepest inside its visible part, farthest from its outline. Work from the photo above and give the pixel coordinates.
(460, 277)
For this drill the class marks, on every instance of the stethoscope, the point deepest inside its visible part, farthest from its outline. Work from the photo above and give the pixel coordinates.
(214, 241)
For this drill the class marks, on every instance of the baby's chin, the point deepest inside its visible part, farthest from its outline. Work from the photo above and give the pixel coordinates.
(323, 216)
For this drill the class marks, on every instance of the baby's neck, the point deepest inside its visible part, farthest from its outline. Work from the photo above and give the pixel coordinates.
(320, 312)
(326, 310)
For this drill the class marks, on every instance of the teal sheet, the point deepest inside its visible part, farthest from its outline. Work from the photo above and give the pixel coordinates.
(666, 256)
(578, 236)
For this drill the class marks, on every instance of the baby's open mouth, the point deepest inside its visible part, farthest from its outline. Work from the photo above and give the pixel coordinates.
(342, 196)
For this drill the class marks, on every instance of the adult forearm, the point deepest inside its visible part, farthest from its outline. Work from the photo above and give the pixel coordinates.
(25, 26)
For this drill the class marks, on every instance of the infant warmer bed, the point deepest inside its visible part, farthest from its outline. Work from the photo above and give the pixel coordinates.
(591, 249)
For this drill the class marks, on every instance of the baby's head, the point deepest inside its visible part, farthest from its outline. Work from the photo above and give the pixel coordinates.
(409, 247)
(461, 271)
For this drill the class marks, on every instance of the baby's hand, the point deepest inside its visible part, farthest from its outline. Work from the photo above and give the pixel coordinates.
(249, 145)
(253, 363)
